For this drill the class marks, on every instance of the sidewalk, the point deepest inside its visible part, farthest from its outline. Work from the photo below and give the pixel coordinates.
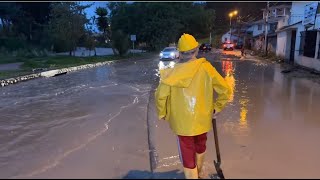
(10, 66)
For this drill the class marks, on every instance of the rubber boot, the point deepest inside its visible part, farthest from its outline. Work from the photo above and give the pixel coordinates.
(191, 173)
(200, 160)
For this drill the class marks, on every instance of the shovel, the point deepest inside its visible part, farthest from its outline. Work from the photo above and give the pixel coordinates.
(218, 163)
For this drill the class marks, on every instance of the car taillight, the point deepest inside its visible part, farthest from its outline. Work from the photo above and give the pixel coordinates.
(231, 45)
(224, 45)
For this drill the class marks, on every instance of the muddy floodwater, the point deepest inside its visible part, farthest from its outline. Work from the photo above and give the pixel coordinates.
(97, 123)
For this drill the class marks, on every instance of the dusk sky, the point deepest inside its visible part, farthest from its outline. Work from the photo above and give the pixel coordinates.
(91, 11)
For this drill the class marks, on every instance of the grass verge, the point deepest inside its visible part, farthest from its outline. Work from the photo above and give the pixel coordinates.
(58, 62)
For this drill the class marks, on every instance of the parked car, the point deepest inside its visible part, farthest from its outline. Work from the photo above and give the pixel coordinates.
(169, 53)
(228, 46)
(205, 47)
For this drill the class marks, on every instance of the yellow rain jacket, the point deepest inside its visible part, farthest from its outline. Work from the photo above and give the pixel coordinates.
(184, 96)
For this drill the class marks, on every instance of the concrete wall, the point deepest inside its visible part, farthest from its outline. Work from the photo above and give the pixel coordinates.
(256, 31)
(288, 45)
(283, 22)
(298, 38)
(297, 11)
(281, 44)
(311, 63)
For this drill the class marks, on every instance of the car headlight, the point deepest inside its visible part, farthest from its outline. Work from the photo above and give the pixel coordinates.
(172, 54)
(161, 54)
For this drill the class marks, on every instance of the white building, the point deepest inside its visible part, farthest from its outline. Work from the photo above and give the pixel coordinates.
(298, 36)
(257, 28)
(234, 37)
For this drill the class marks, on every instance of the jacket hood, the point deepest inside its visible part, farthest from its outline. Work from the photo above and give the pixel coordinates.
(182, 74)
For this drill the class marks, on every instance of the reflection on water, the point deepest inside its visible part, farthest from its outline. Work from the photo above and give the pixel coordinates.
(243, 123)
(228, 69)
(241, 126)
(164, 65)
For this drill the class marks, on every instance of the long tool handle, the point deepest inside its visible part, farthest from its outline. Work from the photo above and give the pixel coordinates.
(216, 141)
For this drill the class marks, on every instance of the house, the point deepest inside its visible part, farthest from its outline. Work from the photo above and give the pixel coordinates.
(234, 37)
(257, 28)
(298, 36)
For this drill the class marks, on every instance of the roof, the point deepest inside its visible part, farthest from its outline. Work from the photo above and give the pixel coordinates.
(277, 7)
(270, 20)
(261, 21)
(272, 34)
(288, 27)
(269, 34)
(258, 35)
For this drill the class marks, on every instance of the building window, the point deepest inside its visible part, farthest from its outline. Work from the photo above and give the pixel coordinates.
(273, 27)
(259, 27)
(309, 48)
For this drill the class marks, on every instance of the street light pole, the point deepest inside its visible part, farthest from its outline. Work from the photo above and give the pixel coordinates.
(230, 15)
(230, 29)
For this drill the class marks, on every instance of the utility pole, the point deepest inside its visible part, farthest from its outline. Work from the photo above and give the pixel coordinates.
(266, 29)
(230, 31)
(239, 27)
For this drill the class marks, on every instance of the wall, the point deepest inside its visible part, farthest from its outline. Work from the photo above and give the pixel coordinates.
(288, 45)
(298, 37)
(283, 22)
(311, 63)
(281, 43)
(256, 31)
(297, 12)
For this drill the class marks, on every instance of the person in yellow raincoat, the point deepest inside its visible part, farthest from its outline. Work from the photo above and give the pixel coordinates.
(185, 99)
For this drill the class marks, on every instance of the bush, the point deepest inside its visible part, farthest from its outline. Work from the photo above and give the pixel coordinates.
(12, 43)
(120, 41)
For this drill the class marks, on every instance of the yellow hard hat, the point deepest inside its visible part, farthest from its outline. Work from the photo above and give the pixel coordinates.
(187, 42)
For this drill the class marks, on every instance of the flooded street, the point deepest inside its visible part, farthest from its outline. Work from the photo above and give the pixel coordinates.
(269, 129)
(96, 123)
(84, 124)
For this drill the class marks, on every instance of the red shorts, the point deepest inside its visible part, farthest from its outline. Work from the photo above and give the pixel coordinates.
(189, 146)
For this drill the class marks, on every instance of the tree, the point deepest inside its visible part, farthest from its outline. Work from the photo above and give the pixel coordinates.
(161, 23)
(35, 15)
(67, 24)
(120, 41)
(103, 24)
(90, 42)
(9, 13)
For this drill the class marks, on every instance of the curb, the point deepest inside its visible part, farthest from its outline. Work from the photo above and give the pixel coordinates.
(56, 72)
(51, 73)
